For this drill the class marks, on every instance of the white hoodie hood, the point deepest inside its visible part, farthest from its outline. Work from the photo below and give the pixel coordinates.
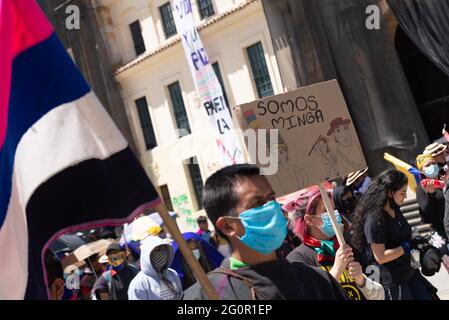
(148, 285)
(148, 245)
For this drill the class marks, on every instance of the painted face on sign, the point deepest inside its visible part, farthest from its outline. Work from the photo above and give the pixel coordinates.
(342, 135)
(283, 156)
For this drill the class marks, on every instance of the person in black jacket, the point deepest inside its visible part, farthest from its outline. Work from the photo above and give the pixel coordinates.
(241, 204)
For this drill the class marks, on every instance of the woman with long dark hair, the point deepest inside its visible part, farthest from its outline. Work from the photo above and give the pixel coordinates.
(383, 235)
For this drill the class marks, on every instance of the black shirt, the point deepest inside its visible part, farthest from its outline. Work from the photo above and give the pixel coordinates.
(308, 256)
(431, 208)
(382, 228)
(273, 280)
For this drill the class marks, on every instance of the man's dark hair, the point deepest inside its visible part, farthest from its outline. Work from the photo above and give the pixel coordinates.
(201, 219)
(53, 268)
(219, 198)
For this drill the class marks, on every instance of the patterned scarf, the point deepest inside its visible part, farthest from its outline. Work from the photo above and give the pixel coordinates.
(325, 249)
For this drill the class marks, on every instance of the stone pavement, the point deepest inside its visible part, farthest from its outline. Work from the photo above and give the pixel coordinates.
(441, 282)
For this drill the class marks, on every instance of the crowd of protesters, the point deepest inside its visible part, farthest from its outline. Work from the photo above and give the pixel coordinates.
(262, 249)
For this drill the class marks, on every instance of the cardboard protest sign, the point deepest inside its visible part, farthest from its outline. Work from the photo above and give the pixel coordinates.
(317, 139)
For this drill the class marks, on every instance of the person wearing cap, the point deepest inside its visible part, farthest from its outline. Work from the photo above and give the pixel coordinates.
(349, 156)
(113, 284)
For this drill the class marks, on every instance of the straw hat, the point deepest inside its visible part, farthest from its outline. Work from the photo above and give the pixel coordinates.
(353, 176)
(435, 149)
(103, 259)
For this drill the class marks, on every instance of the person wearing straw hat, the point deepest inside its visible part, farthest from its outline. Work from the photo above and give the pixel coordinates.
(241, 204)
(438, 152)
(358, 181)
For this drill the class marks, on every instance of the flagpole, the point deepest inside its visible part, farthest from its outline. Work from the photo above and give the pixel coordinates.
(330, 210)
(199, 273)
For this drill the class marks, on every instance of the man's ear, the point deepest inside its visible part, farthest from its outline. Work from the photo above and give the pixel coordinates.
(226, 227)
(57, 289)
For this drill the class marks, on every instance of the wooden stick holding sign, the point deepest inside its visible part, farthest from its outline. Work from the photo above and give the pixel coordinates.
(199, 273)
(328, 204)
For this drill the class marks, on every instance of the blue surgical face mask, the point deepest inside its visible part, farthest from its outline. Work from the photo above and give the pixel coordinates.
(431, 171)
(266, 227)
(327, 228)
(196, 254)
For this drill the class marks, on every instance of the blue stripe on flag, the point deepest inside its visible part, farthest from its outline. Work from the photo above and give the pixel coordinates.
(43, 77)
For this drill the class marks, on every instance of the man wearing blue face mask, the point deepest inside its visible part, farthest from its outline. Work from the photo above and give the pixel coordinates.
(241, 205)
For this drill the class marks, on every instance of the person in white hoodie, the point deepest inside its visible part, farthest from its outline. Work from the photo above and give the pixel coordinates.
(156, 281)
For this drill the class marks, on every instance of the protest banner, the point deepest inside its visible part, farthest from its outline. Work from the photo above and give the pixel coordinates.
(317, 141)
(207, 85)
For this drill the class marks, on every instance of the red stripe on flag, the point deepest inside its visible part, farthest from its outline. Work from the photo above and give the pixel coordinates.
(22, 25)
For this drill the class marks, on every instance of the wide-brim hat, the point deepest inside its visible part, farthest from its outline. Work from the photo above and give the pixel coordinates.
(336, 123)
(353, 176)
(435, 149)
(103, 259)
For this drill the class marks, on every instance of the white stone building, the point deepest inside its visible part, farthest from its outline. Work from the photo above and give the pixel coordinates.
(158, 90)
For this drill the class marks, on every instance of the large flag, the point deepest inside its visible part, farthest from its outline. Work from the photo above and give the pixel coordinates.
(64, 165)
(412, 173)
(207, 85)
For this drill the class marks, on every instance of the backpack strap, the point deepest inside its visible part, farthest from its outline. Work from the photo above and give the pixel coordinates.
(229, 273)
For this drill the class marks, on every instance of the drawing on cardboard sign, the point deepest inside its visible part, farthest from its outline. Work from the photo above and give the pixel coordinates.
(317, 138)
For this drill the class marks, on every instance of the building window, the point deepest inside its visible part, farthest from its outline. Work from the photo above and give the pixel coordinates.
(217, 71)
(166, 197)
(260, 71)
(167, 20)
(197, 180)
(206, 8)
(182, 122)
(136, 32)
(145, 123)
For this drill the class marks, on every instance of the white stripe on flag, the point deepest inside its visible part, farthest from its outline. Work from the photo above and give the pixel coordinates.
(65, 136)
